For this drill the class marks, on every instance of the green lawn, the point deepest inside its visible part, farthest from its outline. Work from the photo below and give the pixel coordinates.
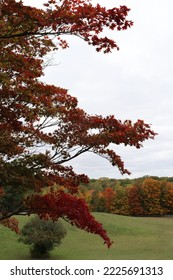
(134, 239)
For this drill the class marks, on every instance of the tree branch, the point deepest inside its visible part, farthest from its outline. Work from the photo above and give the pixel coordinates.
(76, 155)
(17, 211)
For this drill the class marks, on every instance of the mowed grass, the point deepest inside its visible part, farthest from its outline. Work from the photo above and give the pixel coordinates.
(134, 239)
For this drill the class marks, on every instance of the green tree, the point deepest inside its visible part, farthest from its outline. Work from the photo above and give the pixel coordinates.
(120, 205)
(42, 236)
(97, 202)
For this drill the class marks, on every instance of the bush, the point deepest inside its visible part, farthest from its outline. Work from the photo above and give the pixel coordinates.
(42, 236)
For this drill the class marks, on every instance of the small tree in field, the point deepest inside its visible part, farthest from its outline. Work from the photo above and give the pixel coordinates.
(41, 126)
(42, 236)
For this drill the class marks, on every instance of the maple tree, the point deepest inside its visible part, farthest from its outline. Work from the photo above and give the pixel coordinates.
(41, 126)
(109, 195)
(135, 201)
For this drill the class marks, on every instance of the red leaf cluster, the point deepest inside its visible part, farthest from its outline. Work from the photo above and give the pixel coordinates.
(60, 204)
(79, 18)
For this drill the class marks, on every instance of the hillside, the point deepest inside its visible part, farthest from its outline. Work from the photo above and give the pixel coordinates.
(134, 238)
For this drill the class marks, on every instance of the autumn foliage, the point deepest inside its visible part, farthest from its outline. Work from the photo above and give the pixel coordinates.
(146, 197)
(41, 126)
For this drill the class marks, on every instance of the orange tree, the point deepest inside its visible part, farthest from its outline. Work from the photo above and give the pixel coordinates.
(41, 126)
(150, 192)
(109, 196)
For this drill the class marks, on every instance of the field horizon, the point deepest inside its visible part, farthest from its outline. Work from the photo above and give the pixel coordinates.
(135, 238)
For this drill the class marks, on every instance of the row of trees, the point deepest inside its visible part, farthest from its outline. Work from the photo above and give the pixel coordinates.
(149, 197)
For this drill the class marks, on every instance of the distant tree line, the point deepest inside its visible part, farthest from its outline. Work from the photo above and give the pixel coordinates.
(147, 196)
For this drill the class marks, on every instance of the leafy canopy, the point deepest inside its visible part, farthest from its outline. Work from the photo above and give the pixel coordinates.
(41, 126)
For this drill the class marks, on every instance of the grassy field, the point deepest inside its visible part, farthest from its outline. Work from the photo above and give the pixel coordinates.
(134, 239)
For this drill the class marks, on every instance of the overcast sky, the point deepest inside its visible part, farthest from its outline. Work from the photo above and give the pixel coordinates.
(133, 83)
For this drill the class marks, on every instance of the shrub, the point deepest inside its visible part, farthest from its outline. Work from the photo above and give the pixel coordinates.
(42, 236)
